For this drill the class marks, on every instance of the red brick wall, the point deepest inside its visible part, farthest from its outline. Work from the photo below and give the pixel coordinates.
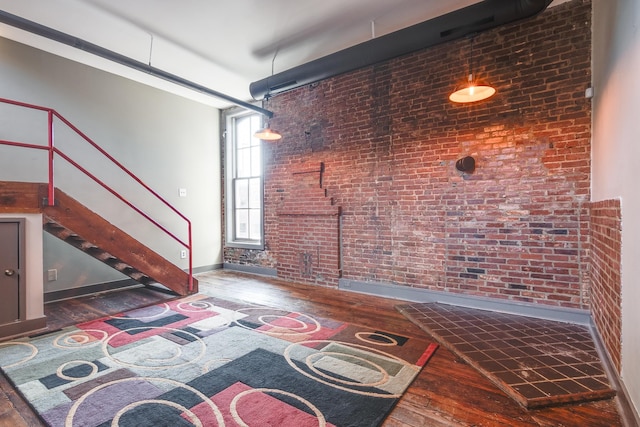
(308, 228)
(605, 250)
(515, 228)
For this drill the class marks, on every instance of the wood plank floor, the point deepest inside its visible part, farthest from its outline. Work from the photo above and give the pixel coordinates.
(447, 392)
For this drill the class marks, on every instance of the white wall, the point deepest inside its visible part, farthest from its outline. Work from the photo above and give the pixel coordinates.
(73, 268)
(616, 154)
(168, 141)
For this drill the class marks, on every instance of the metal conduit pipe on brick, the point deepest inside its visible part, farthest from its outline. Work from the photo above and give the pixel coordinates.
(454, 25)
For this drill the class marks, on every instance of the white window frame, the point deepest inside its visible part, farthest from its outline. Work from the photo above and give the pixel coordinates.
(231, 172)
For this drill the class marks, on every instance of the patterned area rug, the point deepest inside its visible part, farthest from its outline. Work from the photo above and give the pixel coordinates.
(210, 362)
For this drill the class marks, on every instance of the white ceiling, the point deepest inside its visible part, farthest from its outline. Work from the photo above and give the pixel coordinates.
(220, 44)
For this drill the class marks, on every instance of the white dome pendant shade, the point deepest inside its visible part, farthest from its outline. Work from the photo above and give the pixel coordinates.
(472, 91)
(267, 134)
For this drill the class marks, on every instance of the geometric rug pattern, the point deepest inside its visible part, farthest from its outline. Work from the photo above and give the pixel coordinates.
(206, 361)
(536, 362)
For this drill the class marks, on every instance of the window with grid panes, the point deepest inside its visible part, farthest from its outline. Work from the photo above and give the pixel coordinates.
(244, 181)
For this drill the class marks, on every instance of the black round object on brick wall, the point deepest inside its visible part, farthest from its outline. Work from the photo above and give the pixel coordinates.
(466, 164)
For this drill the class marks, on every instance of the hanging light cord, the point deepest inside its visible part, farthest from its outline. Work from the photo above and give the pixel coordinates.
(267, 133)
(265, 99)
(473, 36)
(273, 60)
(471, 60)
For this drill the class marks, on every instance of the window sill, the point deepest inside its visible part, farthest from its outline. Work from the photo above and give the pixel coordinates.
(245, 245)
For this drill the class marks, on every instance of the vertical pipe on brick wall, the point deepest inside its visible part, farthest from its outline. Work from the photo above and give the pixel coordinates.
(340, 242)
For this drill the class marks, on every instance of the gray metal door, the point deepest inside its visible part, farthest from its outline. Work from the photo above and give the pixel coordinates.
(9, 272)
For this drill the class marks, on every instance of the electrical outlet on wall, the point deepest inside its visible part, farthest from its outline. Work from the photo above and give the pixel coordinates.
(183, 254)
(52, 275)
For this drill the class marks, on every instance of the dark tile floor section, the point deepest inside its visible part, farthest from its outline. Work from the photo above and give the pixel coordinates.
(536, 362)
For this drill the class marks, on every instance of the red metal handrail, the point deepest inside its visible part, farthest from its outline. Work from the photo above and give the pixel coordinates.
(52, 150)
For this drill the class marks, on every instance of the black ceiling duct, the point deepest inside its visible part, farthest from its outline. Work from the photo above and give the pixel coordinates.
(472, 19)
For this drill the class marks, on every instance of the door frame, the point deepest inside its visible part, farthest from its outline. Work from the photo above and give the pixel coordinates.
(22, 270)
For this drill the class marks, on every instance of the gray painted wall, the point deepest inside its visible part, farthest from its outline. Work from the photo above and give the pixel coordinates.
(168, 141)
(615, 150)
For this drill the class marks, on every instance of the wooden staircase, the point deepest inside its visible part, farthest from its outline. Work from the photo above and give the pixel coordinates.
(75, 224)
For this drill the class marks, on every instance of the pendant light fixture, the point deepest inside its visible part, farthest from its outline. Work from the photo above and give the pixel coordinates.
(266, 133)
(472, 90)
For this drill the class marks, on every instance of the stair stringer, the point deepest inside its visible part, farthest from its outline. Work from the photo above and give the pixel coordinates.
(77, 225)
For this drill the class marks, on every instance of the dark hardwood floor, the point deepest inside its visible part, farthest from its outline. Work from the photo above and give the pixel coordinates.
(448, 392)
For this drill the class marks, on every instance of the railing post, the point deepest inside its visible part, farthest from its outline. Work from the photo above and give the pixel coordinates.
(51, 198)
(190, 259)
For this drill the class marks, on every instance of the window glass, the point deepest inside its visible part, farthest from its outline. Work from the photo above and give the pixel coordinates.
(256, 160)
(243, 133)
(244, 162)
(242, 223)
(242, 194)
(255, 220)
(254, 193)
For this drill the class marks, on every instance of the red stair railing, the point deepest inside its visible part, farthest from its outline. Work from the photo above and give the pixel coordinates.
(53, 150)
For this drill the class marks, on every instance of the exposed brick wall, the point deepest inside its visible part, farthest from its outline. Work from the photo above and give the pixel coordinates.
(605, 250)
(308, 228)
(516, 227)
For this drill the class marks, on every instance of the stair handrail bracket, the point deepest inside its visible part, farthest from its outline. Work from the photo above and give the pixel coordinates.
(53, 151)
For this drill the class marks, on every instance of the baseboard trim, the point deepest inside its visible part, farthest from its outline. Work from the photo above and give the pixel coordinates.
(112, 286)
(89, 290)
(206, 268)
(581, 317)
(22, 328)
(263, 271)
(628, 413)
